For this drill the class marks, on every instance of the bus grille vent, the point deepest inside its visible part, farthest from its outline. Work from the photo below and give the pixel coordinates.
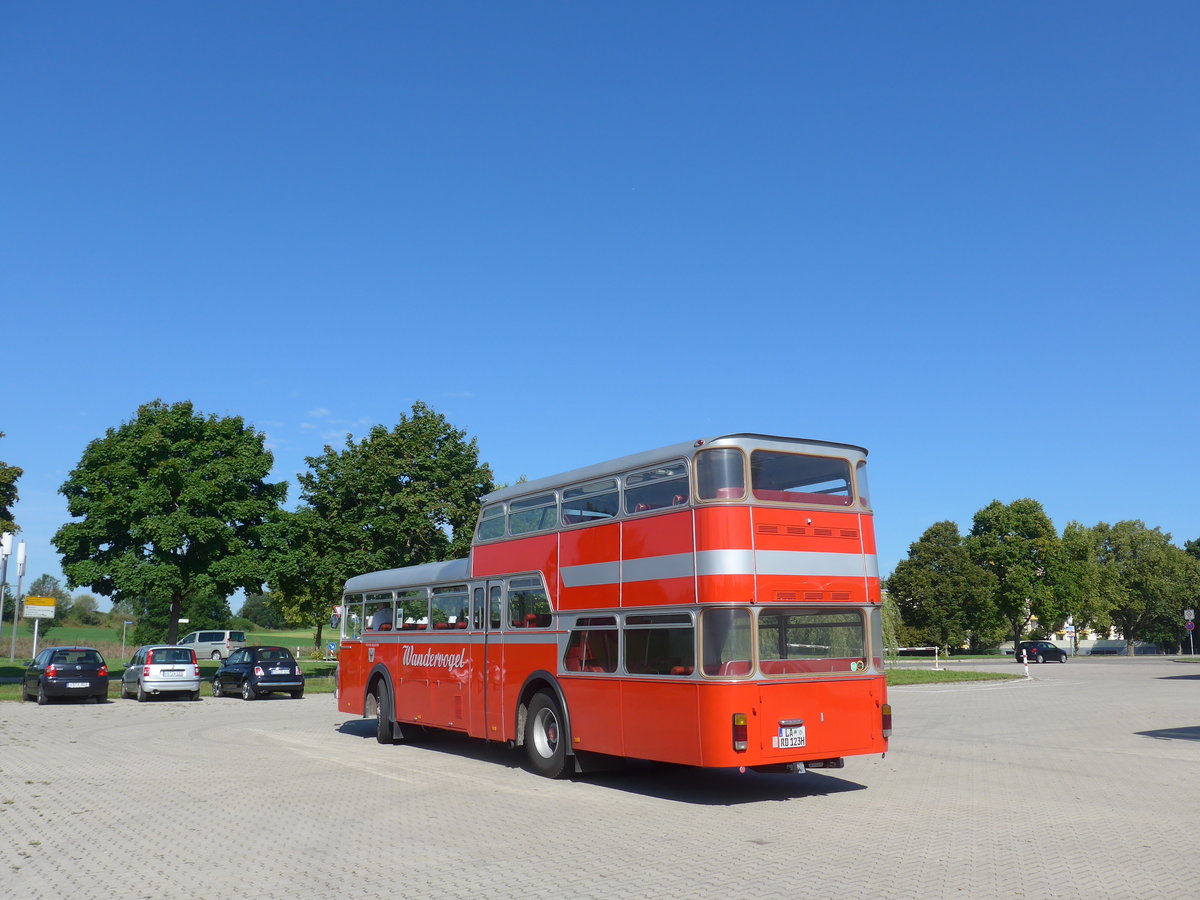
(768, 529)
(840, 595)
(785, 595)
(823, 532)
(792, 529)
(849, 533)
(814, 595)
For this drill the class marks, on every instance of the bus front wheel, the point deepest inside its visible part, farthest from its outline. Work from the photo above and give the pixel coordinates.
(545, 741)
(383, 715)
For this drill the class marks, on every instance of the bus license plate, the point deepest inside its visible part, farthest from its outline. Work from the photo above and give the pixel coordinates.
(790, 736)
(78, 684)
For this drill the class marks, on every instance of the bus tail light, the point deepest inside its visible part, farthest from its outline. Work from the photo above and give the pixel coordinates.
(739, 731)
(887, 720)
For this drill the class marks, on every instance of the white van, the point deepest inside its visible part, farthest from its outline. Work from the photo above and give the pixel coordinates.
(214, 644)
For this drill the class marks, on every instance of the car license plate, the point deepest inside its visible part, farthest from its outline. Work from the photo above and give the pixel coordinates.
(173, 673)
(79, 684)
(281, 672)
(789, 737)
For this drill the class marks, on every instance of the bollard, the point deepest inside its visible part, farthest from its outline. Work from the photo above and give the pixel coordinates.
(936, 667)
(1025, 661)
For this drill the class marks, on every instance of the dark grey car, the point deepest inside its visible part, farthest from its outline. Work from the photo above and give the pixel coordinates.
(66, 672)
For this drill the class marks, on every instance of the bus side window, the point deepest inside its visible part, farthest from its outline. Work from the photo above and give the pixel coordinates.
(477, 611)
(494, 608)
(528, 605)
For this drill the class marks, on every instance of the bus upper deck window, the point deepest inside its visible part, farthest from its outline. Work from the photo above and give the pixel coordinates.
(798, 478)
(864, 494)
(721, 474)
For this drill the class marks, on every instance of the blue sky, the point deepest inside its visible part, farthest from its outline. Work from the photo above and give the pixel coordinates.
(961, 235)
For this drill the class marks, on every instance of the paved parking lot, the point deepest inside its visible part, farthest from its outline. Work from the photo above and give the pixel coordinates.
(1079, 782)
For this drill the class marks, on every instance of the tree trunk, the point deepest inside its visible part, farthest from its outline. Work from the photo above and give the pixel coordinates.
(173, 626)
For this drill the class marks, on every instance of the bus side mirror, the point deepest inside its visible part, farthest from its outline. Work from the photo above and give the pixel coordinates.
(335, 620)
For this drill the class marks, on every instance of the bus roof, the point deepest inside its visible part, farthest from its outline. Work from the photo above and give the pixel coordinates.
(410, 576)
(662, 454)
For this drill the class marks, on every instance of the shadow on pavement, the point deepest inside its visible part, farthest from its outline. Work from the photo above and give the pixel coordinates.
(682, 784)
(1184, 733)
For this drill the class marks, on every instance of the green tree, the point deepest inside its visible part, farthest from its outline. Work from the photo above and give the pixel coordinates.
(1017, 543)
(398, 497)
(1151, 580)
(85, 610)
(8, 494)
(262, 610)
(941, 592)
(172, 507)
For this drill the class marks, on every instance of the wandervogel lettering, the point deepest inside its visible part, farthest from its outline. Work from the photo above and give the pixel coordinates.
(434, 660)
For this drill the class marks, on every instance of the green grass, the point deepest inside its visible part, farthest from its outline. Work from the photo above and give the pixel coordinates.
(928, 676)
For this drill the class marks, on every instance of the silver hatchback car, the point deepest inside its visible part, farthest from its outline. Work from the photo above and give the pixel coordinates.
(161, 669)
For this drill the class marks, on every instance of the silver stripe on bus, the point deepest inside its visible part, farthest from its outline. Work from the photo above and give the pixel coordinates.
(724, 562)
(591, 575)
(653, 568)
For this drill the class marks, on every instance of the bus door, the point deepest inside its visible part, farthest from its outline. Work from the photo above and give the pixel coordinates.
(487, 670)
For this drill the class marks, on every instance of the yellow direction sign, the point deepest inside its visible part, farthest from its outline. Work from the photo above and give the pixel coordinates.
(39, 607)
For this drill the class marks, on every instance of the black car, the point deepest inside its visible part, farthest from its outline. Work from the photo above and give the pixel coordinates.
(1040, 652)
(66, 672)
(255, 671)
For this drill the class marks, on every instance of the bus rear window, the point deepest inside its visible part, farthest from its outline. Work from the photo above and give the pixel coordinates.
(806, 642)
(794, 478)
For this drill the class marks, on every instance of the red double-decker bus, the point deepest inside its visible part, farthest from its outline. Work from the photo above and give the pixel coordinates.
(713, 603)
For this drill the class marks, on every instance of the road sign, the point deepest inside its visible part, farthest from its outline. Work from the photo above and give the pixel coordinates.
(39, 607)
(1190, 626)
(1189, 614)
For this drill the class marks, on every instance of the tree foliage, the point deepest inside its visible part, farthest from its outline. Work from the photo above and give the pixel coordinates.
(942, 593)
(172, 508)
(1017, 543)
(1145, 579)
(398, 497)
(263, 611)
(8, 494)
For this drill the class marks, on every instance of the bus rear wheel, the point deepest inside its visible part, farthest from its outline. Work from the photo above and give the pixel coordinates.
(545, 741)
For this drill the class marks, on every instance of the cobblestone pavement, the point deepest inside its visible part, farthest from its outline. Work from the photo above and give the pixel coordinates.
(1078, 782)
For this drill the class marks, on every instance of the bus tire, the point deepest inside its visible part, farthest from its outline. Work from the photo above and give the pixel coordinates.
(384, 732)
(545, 742)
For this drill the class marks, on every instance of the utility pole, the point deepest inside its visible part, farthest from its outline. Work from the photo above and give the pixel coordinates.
(12, 653)
(5, 550)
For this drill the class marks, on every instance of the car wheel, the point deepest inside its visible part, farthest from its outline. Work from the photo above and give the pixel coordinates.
(142, 696)
(41, 695)
(1063, 658)
(545, 742)
(297, 695)
(195, 695)
(218, 689)
(248, 692)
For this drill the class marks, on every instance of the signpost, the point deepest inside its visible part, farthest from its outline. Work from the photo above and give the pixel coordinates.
(1189, 622)
(38, 608)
